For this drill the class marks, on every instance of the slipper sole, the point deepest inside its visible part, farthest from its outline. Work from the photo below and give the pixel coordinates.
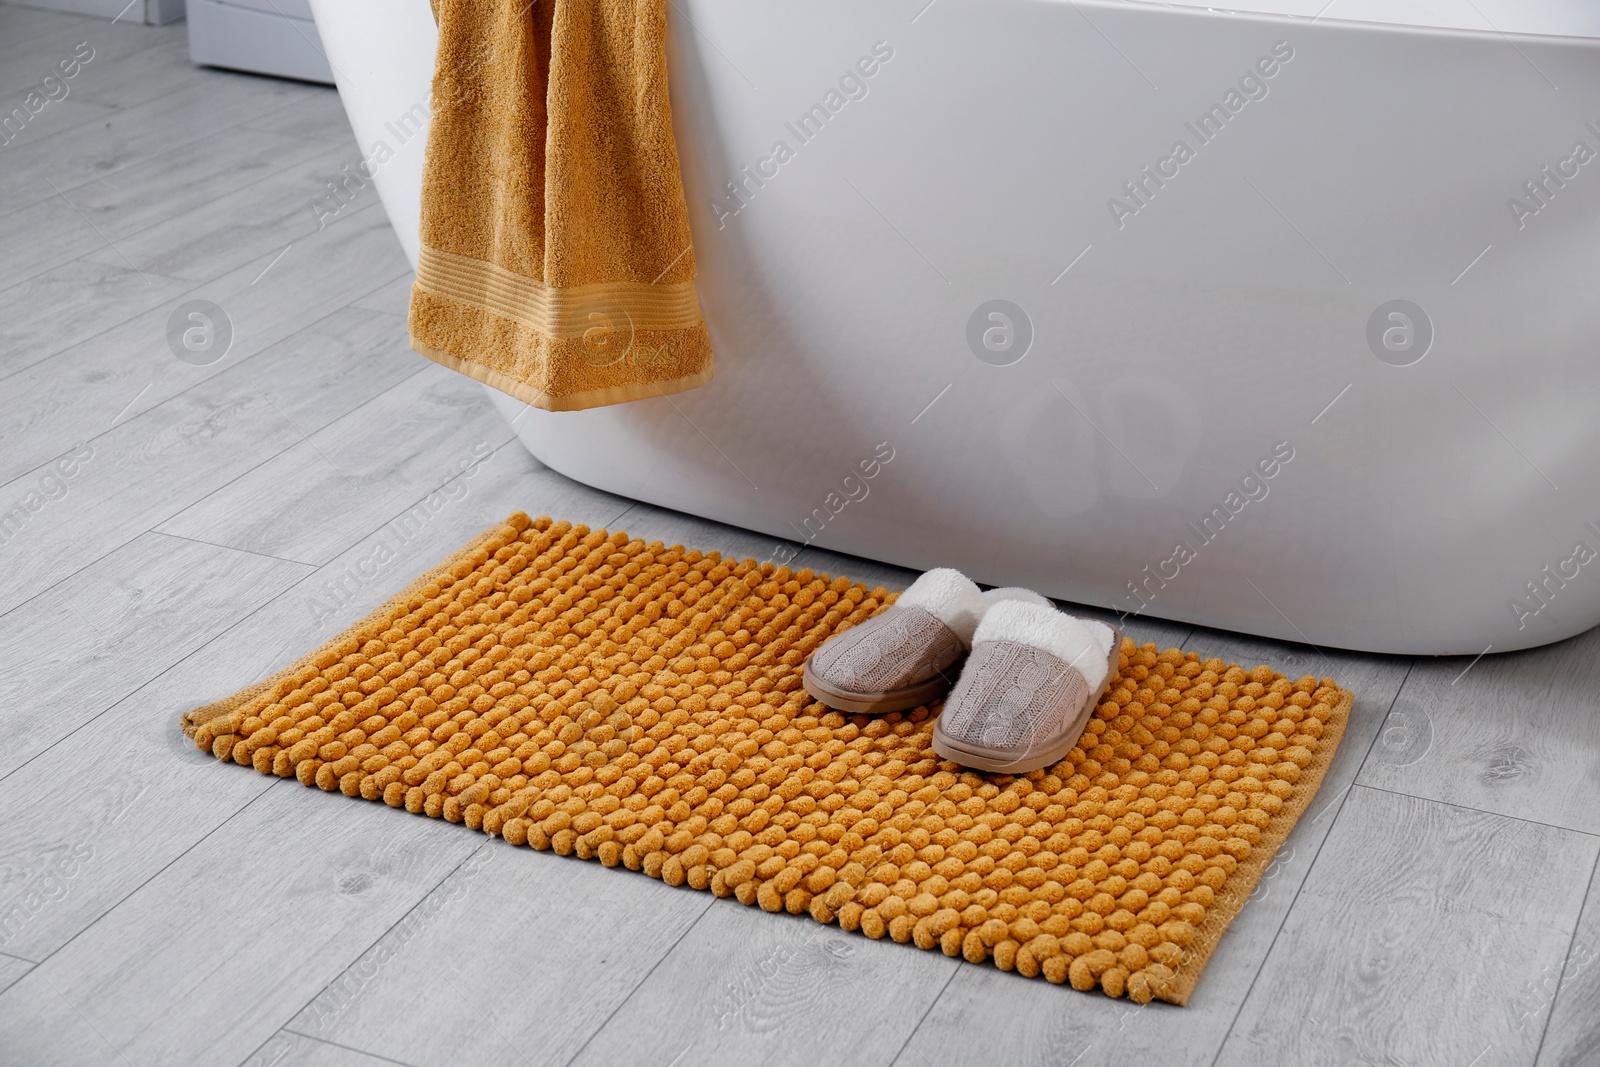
(870, 703)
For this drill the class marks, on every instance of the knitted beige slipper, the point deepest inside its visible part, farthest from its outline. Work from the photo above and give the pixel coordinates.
(905, 656)
(1028, 688)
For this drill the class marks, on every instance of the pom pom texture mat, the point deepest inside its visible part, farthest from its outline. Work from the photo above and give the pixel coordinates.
(585, 692)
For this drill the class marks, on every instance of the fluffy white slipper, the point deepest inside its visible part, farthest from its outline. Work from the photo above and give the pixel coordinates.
(1015, 592)
(1032, 680)
(951, 597)
(1081, 643)
(903, 657)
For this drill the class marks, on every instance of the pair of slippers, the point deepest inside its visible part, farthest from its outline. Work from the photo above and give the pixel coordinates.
(1032, 675)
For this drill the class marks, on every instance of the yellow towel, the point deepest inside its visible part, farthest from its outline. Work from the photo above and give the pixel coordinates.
(556, 263)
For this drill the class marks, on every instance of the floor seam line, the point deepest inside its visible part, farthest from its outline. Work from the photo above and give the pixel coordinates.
(324, 1041)
(1561, 975)
(933, 1003)
(82, 340)
(378, 288)
(196, 207)
(377, 940)
(1477, 811)
(394, 517)
(167, 518)
(193, 287)
(119, 112)
(157, 531)
(302, 438)
(640, 983)
(234, 192)
(136, 690)
(157, 873)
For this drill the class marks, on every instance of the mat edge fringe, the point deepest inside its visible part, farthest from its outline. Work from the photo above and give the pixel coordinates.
(1242, 882)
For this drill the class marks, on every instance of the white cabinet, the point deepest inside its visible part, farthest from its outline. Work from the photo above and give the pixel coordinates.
(263, 36)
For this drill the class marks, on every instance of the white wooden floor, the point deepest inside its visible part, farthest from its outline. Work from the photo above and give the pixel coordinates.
(1438, 905)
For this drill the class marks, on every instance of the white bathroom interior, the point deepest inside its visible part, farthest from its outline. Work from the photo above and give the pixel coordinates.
(1265, 333)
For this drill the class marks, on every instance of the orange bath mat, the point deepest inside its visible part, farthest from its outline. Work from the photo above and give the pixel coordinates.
(581, 691)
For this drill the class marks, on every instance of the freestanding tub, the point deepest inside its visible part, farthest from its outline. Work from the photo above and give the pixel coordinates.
(1269, 322)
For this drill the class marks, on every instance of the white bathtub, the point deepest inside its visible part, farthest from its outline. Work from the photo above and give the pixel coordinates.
(1435, 478)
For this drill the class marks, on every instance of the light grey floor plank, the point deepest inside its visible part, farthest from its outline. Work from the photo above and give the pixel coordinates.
(59, 308)
(44, 235)
(245, 220)
(100, 215)
(140, 76)
(747, 987)
(1516, 734)
(204, 103)
(987, 1013)
(21, 24)
(583, 937)
(393, 297)
(430, 432)
(287, 1049)
(141, 796)
(210, 957)
(74, 651)
(1412, 935)
(151, 466)
(23, 63)
(1565, 996)
(338, 362)
(12, 969)
(113, 378)
(314, 116)
(201, 171)
(57, 117)
(124, 80)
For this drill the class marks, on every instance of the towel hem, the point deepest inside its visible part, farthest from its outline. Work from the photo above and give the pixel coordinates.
(593, 398)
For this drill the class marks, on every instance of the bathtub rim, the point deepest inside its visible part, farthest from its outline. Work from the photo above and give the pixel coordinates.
(1199, 9)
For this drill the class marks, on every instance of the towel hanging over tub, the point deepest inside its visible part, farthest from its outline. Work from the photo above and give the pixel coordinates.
(556, 263)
